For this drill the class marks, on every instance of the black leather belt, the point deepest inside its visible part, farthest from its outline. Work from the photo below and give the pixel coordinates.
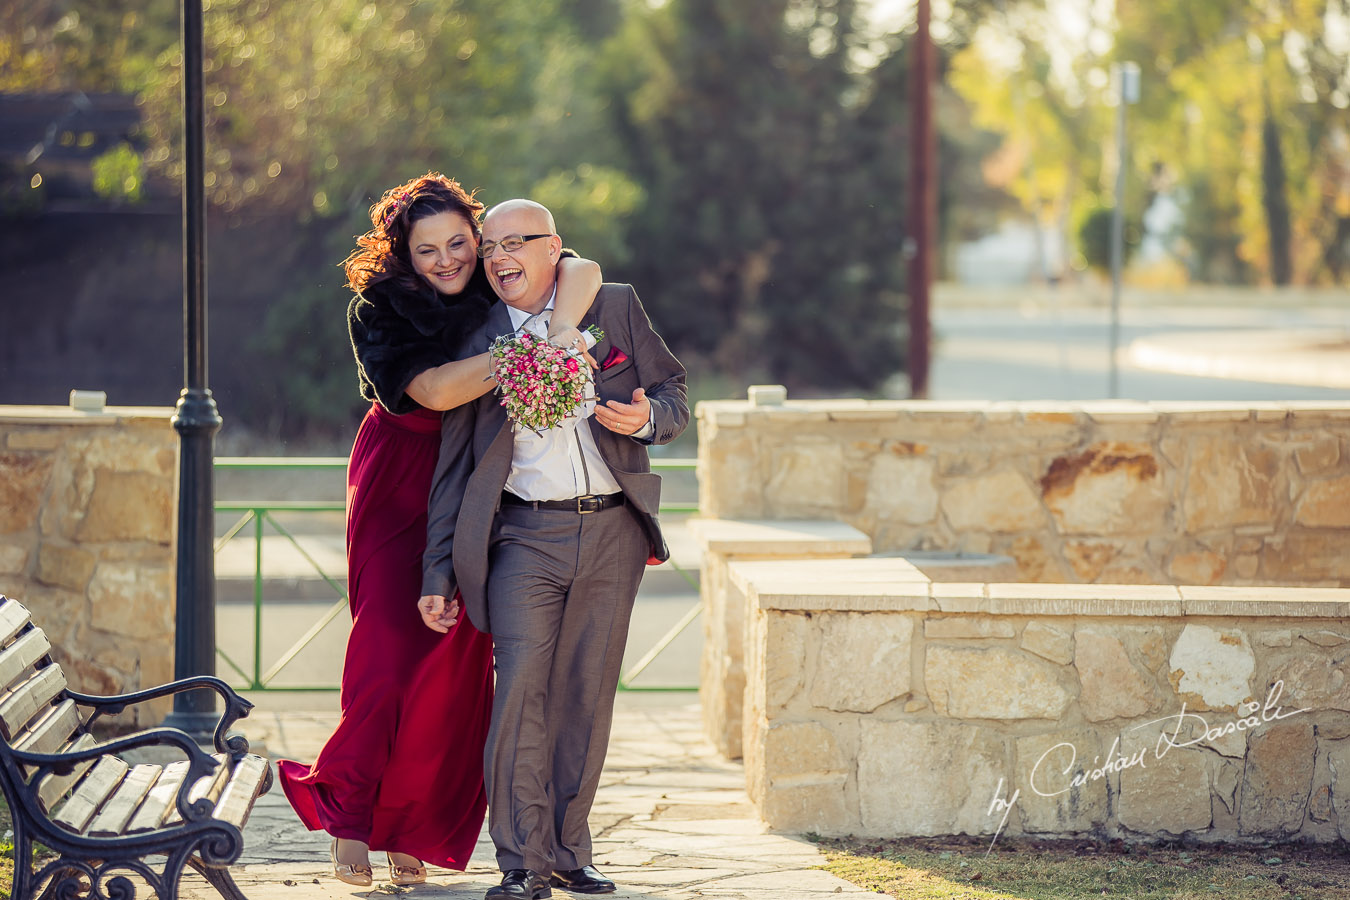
(587, 503)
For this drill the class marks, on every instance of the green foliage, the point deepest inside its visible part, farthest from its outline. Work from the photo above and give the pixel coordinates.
(1243, 114)
(744, 164)
(590, 205)
(1094, 238)
(119, 174)
(770, 241)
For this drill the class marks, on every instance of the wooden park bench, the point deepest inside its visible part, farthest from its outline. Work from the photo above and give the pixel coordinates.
(102, 815)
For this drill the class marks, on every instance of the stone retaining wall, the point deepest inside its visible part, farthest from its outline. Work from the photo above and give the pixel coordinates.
(86, 541)
(1106, 492)
(882, 704)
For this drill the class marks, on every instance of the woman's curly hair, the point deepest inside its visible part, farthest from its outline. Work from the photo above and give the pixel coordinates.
(382, 253)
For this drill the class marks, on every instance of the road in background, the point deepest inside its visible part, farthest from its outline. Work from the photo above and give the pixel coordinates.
(1043, 351)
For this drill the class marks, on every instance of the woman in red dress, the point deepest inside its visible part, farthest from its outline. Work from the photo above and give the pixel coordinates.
(403, 772)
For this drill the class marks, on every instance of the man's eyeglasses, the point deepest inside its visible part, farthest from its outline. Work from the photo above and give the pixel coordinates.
(510, 243)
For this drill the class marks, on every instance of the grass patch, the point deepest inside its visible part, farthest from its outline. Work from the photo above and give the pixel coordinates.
(957, 869)
(6, 851)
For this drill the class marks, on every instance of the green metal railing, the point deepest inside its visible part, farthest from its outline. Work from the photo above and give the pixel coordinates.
(260, 514)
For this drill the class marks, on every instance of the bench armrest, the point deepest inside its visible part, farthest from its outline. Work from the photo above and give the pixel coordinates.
(200, 763)
(236, 707)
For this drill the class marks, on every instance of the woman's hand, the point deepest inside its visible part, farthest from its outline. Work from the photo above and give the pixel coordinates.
(437, 614)
(572, 339)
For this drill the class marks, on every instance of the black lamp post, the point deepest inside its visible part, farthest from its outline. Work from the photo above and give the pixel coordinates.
(195, 418)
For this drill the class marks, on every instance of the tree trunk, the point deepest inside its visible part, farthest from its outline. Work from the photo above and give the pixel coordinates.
(1275, 199)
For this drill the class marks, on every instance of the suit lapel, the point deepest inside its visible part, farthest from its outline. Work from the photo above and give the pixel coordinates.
(498, 323)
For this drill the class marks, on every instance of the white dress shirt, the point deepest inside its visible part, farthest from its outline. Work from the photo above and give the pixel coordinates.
(563, 462)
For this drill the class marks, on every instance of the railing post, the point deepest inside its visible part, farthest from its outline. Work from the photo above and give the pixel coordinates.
(257, 597)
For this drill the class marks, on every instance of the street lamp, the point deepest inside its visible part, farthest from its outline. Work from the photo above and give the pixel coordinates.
(195, 418)
(1126, 77)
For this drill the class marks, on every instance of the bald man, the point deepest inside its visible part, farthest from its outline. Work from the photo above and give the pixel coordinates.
(546, 536)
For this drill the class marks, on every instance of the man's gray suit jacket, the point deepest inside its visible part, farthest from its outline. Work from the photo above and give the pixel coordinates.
(477, 447)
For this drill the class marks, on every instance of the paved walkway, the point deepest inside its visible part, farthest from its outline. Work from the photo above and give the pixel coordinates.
(671, 821)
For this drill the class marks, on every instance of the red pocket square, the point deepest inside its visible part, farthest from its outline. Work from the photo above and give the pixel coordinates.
(615, 357)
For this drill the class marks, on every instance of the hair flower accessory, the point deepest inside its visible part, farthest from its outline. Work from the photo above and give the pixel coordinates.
(539, 384)
(400, 203)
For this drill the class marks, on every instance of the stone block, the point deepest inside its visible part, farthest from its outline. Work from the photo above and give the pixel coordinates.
(1197, 567)
(1050, 802)
(1090, 558)
(928, 778)
(1303, 557)
(23, 481)
(65, 566)
(992, 683)
(1035, 562)
(1226, 777)
(1281, 637)
(1278, 779)
(57, 611)
(1212, 668)
(1110, 488)
(1151, 644)
(968, 627)
(819, 807)
(802, 751)
(13, 559)
(1325, 504)
(863, 662)
(1167, 790)
(1002, 501)
(1048, 642)
(1307, 681)
(37, 439)
(91, 676)
(805, 477)
(1231, 484)
(784, 658)
(1338, 760)
(129, 506)
(1320, 455)
(902, 488)
(1112, 687)
(127, 600)
(962, 463)
(1246, 565)
(729, 482)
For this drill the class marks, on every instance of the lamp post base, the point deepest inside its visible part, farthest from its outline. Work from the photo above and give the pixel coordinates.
(200, 726)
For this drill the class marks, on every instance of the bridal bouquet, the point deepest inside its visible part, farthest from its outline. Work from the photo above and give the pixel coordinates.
(539, 384)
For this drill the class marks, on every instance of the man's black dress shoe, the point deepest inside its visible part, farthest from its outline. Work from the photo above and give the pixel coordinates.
(585, 880)
(521, 884)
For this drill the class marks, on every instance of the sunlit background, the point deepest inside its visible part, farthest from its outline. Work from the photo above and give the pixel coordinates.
(744, 163)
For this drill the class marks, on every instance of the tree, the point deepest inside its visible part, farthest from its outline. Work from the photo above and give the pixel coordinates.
(774, 170)
(1243, 117)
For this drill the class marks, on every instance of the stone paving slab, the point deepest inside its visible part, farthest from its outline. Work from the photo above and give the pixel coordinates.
(671, 822)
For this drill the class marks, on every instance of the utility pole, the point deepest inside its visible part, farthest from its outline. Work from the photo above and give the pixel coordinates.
(195, 418)
(923, 201)
(1127, 92)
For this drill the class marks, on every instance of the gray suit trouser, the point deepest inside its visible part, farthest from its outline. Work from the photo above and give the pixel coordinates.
(560, 594)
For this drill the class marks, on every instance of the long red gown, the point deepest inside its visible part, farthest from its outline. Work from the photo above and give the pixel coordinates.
(404, 769)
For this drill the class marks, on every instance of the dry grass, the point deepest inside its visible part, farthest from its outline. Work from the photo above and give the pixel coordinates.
(958, 869)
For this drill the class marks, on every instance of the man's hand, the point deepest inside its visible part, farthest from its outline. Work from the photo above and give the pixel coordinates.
(572, 339)
(437, 614)
(626, 418)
